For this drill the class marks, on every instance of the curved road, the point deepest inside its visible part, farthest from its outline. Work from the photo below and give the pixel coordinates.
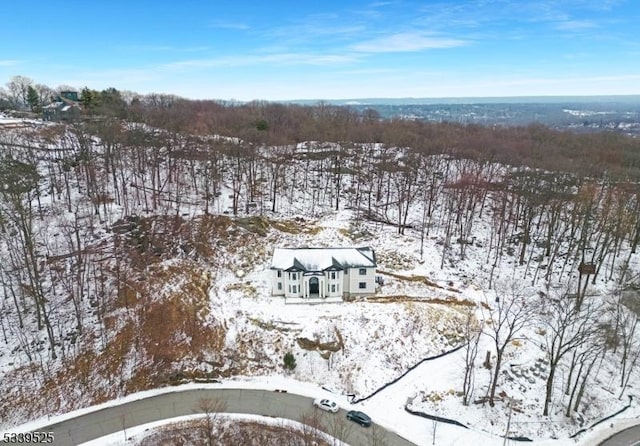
(627, 437)
(91, 426)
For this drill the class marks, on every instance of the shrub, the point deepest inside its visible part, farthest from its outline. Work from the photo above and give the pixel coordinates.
(289, 361)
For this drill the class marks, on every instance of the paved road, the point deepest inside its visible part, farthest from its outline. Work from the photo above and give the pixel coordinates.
(628, 437)
(155, 408)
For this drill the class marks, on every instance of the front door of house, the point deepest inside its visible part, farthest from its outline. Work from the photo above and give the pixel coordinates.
(314, 288)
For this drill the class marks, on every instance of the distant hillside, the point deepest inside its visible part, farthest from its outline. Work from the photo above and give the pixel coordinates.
(576, 113)
(616, 99)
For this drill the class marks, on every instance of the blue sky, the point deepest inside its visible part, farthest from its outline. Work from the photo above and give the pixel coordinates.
(279, 50)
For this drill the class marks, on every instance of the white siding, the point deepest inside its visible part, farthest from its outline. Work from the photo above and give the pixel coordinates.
(290, 283)
(274, 281)
(345, 282)
(346, 277)
(355, 278)
(334, 287)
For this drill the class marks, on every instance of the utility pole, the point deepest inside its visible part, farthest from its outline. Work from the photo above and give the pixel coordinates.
(434, 427)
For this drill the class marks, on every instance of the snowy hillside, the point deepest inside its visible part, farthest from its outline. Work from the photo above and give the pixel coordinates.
(135, 258)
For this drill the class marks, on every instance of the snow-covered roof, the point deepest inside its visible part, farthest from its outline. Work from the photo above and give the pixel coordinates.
(319, 259)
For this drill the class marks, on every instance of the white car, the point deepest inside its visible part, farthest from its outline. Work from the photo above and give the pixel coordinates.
(325, 404)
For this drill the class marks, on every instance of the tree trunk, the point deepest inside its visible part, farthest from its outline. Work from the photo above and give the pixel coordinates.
(494, 381)
(549, 389)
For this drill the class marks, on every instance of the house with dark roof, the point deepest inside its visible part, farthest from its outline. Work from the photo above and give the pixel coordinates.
(318, 273)
(65, 107)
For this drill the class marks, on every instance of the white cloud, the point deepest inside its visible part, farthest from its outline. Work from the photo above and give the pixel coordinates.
(406, 42)
(228, 25)
(164, 48)
(318, 26)
(577, 80)
(276, 58)
(575, 25)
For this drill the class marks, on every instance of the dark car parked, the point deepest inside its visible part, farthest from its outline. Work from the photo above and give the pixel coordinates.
(359, 417)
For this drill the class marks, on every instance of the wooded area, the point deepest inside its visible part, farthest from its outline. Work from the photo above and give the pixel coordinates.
(87, 208)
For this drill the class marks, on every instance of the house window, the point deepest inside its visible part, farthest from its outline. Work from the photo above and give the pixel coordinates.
(295, 289)
(294, 276)
(363, 271)
(279, 286)
(362, 285)
(333, 288)
(346, 272)
(333, 275)
(279, 273)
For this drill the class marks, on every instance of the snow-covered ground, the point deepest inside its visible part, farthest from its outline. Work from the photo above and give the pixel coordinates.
(417, 329)
(385, 409)
(417, 313)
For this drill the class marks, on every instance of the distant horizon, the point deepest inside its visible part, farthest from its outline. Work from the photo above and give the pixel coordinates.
(407, 100)
(426, 100)
(273, 51)
(543, 99)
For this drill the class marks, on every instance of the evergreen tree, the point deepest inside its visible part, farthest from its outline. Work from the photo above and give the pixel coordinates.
(33, 99)
(90, 99)
(289, 361)
(111, 103)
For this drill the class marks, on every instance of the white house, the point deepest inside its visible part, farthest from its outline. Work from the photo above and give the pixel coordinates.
(323, 272)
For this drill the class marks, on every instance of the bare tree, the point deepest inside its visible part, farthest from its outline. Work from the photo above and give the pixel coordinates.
(376, 436)
(339, 428)
(312, 427)
(209, 424)
(471, 333)
(237, 173)
(278, 160)
(567, 327)
(45, 93)
(18, 87)
(404, 178)
(580, 370)
(508, 316)
(21, 183)
(625, 323)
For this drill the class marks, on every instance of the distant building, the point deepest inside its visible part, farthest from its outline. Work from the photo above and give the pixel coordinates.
(318, 273)
(65, 107)
(70, 95)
